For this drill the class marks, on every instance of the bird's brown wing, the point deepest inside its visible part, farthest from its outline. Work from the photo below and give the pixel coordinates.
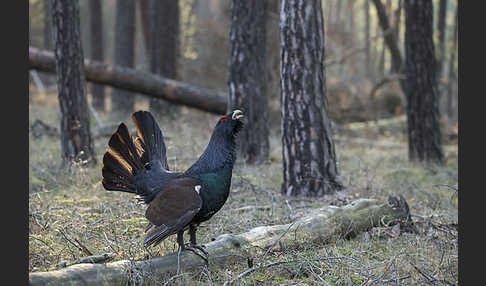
(172, 209)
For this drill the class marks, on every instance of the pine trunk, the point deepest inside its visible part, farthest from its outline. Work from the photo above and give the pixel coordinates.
(367, 35)
(450, 83)
(396, 32)
(164, 32)
(143, 6)
(246, 83)
(389, 39)
(48, 36)
(123, 101)
(96, 49)
(441, 24)
(424, 136)
(76, 143)
(309, 159)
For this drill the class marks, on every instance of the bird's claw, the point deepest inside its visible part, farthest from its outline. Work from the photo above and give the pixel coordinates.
(194, 248)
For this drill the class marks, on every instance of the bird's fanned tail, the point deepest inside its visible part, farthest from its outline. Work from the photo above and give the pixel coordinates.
(151, 138)
(122, 161)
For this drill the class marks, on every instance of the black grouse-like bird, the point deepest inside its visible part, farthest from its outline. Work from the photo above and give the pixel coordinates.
(176, 200)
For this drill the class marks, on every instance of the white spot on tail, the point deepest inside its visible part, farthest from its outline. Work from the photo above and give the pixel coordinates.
(197, 188)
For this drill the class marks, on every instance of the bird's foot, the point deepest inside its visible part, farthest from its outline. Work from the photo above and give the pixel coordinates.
(194, 248)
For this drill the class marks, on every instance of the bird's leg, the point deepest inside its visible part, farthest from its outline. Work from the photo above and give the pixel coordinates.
(190, 247)
(180, 240)
(192, 240)
(192, 233)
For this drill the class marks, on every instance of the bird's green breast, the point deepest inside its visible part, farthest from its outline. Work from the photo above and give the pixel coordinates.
(214, 192)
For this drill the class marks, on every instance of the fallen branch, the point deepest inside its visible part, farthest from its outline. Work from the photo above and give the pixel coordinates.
(138, 81)
(322, 225)
(382, 82)
(39, 128)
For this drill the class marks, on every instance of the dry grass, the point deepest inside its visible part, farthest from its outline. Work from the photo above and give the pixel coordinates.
(71, 215)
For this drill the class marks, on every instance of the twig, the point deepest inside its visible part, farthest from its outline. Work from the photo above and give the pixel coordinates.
(174, 277)
(253, 269)
(275, 242)
(78, 246)
(396, 278)
(429, 278)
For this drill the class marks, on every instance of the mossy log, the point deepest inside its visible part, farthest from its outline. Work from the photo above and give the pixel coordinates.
(322, 225)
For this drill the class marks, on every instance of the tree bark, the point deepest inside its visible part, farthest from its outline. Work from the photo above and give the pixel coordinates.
(48, 34)
(139, 81)
(143, 5)
(164, 33)
(452, 61)
(367, 35)
(247, 80)
(351, 22)
(396, 30)
(323, 225)
(389, 38)
(441, 24)
(309, 159)
(123, 101)
(96, 49)
(76, 143)
(424, 136)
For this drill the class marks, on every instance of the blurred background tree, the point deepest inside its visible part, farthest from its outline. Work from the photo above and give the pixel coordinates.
(124, 55)
(76, 143)
(363, 54)
(247, 77)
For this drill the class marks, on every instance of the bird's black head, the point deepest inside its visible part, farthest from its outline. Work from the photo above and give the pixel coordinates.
(220, 152)
(230, 124)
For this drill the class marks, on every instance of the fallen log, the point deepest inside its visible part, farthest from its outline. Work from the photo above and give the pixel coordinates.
(322, 225)
(138, 81)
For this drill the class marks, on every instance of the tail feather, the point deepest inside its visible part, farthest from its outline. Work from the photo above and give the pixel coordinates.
(113, 165)
(151, 136)
(122, 146)
(121, 162)
(128, 156)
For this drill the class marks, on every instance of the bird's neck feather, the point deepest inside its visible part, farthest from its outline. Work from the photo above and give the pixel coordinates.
(219, 154)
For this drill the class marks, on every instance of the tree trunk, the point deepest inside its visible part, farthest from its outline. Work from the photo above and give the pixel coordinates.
(96, 49)
(123, 101)
(351, 22)
(441, 24)
(381, 65)
(367, 35)
(309, 159)
(338, 12)
(163, 26)
(143, 5)
(450, 82)
(247, 83)
(323, 225)
(272, 51)
(76, 143)
(139, 81)
(396, 31)
(48, 35)
(424, 136)
(390, 39)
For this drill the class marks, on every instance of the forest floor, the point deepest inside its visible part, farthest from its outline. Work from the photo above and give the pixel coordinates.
(72, 216)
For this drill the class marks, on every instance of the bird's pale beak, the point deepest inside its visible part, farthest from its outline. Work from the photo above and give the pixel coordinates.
(237, 114)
